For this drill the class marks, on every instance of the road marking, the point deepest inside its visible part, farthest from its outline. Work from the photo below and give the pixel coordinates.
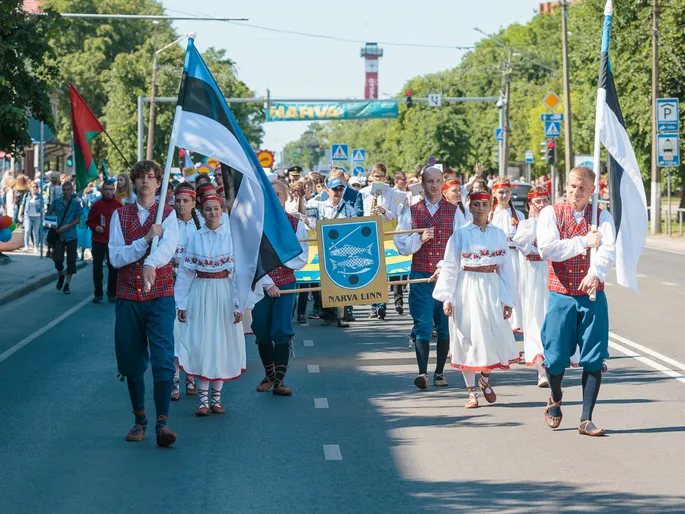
(669, 284)
(313, 368)
(332, 452)
(648, 351)
(308, 342)
(320, 403)
(649, 362)
(608, 284)
(42, 331)
(640, 275)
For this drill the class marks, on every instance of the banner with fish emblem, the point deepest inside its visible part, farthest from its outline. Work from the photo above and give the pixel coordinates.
(352, 261)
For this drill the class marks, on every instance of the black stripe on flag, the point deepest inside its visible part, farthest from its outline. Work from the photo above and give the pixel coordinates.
(199, 97)
(606, 81)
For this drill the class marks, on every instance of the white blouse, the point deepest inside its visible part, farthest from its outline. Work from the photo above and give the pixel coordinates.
(471, 247)
(503, 220)
(526, 235)
(208, 251)
(185, 228)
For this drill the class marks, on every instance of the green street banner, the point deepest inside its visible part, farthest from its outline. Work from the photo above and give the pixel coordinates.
(331, 111)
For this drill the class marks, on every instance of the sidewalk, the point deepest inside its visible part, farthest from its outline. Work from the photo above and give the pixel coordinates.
(25, 273)
(670, 244)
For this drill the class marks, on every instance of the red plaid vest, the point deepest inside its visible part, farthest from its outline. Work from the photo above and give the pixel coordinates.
(130, 278)
(284, 275)
(432, 252)
(565, 277)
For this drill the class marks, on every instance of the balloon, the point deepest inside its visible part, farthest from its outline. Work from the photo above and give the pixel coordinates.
(5, 222)
(5, 235)
(12, 227)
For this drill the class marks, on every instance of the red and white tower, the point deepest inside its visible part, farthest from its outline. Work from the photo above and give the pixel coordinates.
(371, 53)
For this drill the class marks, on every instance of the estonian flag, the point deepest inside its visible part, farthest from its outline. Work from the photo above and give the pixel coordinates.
(203, 123)
(627, 193)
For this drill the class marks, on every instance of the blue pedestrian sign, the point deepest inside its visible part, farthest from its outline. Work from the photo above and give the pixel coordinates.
(667, 115)
(358, 170)
(339, 153)
(550, 116)
(358, 155)
(499, 134)
(668, 150)
(552, 128)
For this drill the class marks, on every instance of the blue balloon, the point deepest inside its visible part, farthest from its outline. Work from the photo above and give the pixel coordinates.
(5, 235)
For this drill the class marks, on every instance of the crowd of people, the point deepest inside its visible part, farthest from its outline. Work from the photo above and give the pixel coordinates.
(482, 271)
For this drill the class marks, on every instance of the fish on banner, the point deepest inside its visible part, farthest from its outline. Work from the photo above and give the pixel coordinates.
(352, 261)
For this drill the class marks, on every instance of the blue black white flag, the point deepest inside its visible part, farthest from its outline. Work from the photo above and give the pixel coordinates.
(204, 124)
(627, 193)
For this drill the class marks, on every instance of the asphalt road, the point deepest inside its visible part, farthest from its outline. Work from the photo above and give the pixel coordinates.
(391, 447)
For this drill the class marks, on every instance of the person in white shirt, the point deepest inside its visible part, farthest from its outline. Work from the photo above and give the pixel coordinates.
(145, 308)
(213, 349)
(271, 316)
(506, 218)
(476, 287)
(574, 319)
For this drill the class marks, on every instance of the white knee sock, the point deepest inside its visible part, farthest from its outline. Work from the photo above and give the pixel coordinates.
(540, 367)
(217, 385)
(469, 378)
(177, 370)
(201, 383)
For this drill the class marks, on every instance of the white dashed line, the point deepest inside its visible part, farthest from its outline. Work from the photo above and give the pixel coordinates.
(648, 351)
(332, 452)
(308, 342)
(320, 403)
(640, 275)
(313, 368)
(671, 284)
(608, 284)
(649, 362)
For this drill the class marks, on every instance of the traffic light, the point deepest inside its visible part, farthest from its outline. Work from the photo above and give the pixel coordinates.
(294, 155)
(551, 155)
(181, 153)
(70, 161)
(410, 102)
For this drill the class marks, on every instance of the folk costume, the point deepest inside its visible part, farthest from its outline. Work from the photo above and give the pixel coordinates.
(185, 229)
(573, 320)
(145, 315)
(507, 219)
(477, 279)
(444, 218)
(271, 318)
(213, 348)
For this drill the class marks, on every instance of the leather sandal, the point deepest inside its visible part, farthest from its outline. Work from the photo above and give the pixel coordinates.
(165, 436)
(472, 402)
(282, 390)
(268, 379)
(175, 390)
(137, 433)
(421, 381)
(203, 407)
(439, 380)
(593, 432)
(553, 421)
(216, 407)
(190, 386)
(488, 391)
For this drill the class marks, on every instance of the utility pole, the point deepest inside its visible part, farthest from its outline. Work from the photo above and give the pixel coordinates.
(505, 145)
(568, 139)
(151, 123)
(656, 172)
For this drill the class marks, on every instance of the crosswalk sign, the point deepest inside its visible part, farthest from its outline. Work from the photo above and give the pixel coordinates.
(339, 153)
(552, 129)
(358, 155)
(499, 134)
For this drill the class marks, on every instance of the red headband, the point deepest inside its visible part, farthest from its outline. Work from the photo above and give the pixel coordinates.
(220, 189)
(480, 196)
(210, 198)
(451, 183)
(205, 186)
(184, 191)
(501, 184)
(537, 195)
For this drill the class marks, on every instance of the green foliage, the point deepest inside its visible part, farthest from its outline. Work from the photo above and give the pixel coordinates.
(306, 149)
(460, 135)
(26, 72)
(110, 64)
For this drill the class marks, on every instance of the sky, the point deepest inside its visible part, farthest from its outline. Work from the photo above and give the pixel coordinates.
(294, 66)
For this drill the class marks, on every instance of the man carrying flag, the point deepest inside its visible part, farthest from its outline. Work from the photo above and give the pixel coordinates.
(86, 127)
(578, 315)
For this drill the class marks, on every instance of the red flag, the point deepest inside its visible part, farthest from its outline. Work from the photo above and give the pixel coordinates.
(85, 126)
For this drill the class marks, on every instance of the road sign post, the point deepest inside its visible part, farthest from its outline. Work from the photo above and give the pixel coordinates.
(434, 99)
(499, 134)
(667, 115)
(668, 150)
(358, 155)
(339, 152)
(552, 129)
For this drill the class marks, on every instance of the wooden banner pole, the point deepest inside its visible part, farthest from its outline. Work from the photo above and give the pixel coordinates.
(390, 283)
(394, 232)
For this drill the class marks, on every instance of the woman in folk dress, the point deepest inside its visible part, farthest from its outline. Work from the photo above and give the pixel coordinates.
(506, 218)
(213, 348)
(188, 223)
(533, 290)
(476, 286)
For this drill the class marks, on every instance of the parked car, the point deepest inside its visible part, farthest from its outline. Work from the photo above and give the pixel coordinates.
(519, 196)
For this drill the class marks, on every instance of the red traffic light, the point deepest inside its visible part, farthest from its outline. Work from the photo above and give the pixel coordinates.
(551, 145)
(408, 92)
(181, 152)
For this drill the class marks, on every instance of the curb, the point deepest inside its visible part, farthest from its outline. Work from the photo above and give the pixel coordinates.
(37, 283)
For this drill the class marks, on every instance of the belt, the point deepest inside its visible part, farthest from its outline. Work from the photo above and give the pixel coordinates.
(481, 269)
(513, 248)
(533, 257)
(218, 274)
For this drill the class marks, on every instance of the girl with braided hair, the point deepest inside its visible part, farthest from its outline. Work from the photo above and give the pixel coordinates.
(188, 223)
(506, 218)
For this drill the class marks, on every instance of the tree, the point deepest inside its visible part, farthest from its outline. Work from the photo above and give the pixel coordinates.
(308, 150)
(26, 73)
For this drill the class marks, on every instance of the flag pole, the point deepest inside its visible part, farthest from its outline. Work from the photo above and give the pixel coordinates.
(128, 165)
